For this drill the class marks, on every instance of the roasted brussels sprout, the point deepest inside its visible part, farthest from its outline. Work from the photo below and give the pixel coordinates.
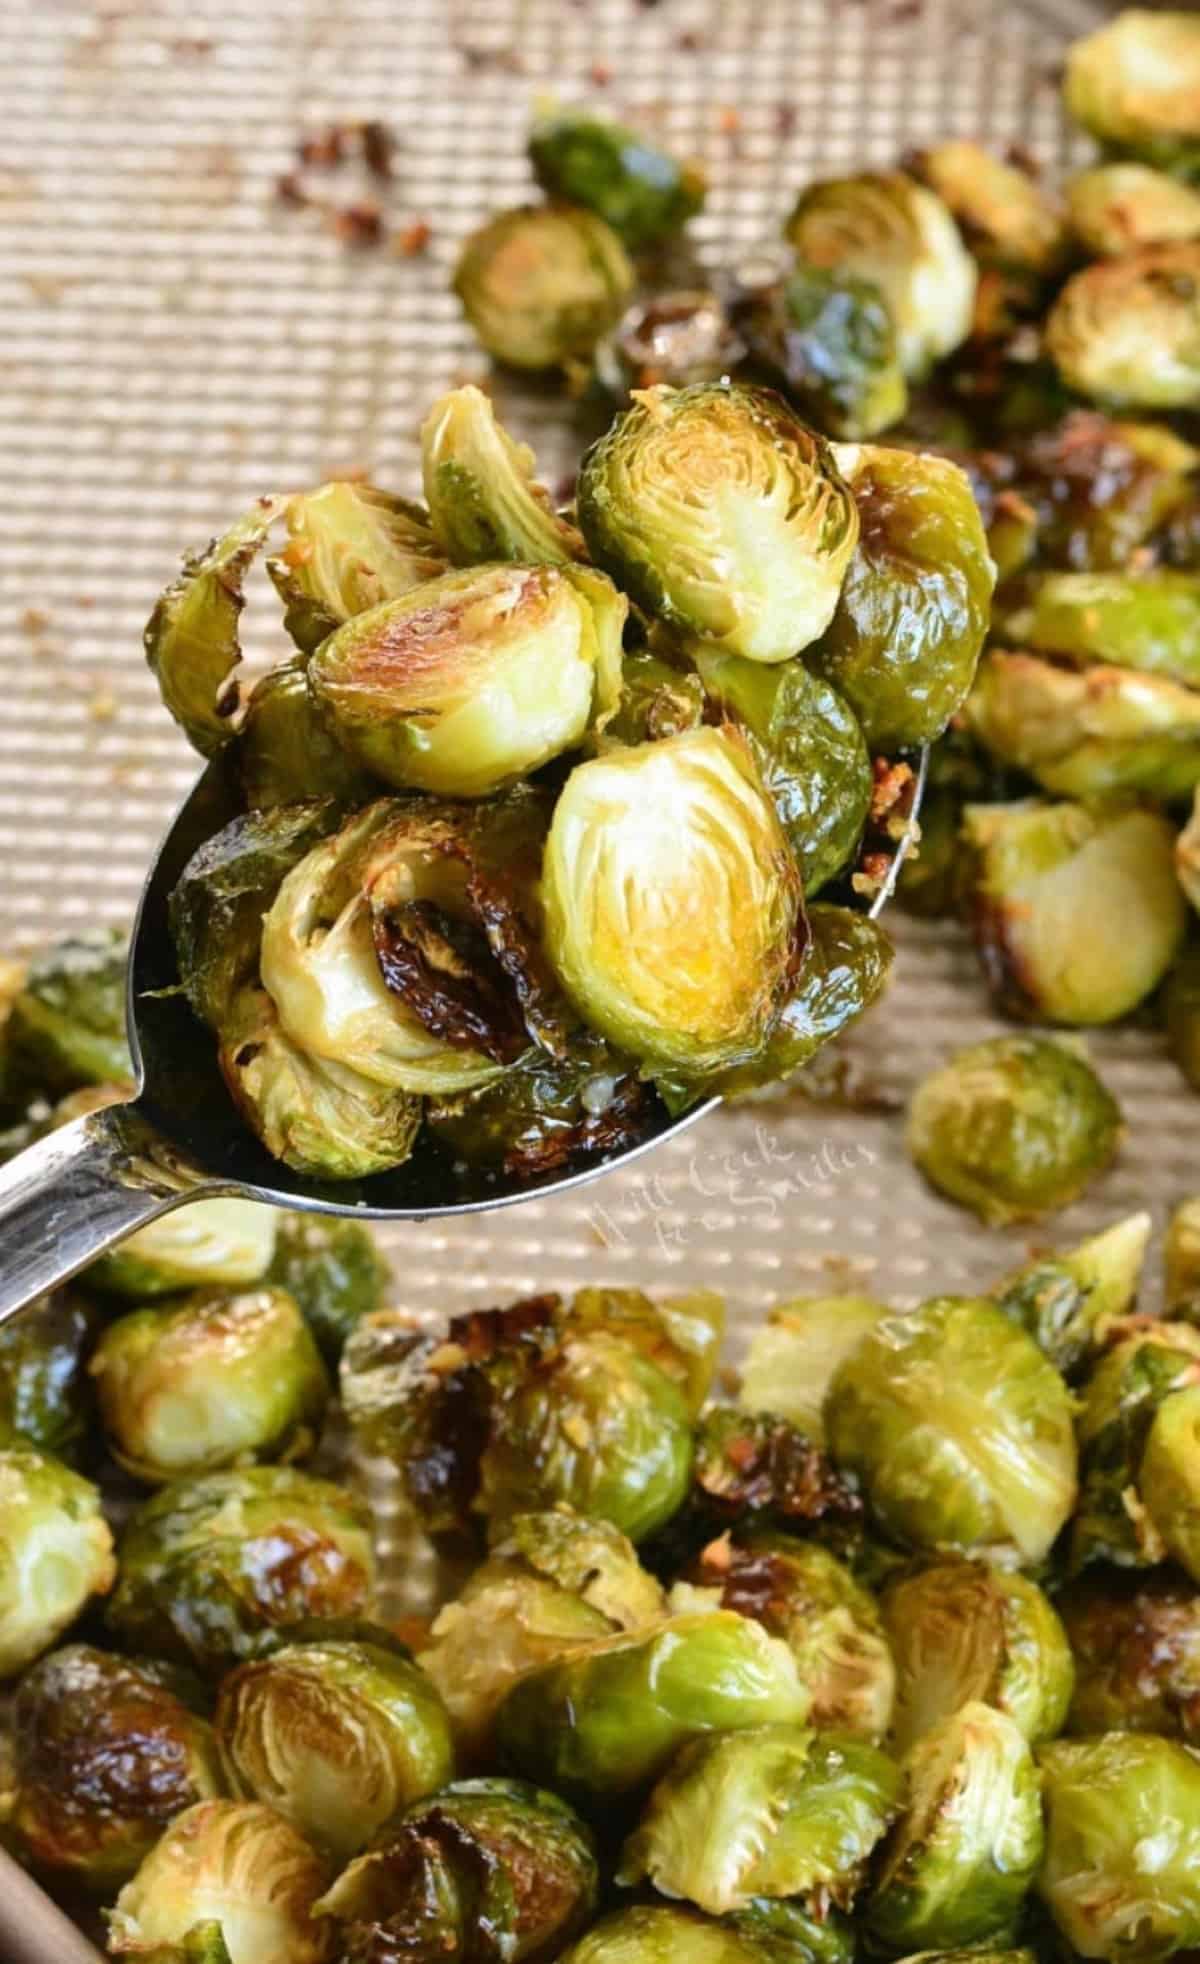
(608, 1718)
(334, 1270)
(969, 1844)
(1187, 855)
(1067, 1300)
(776, 1933)
(56, 1552)
(1087, 733)
(483, 499)
(1145, 621)
(964, 1632)
(1137, 1656)
(1181, 1258)
(217, 1380)
(720, 513)
(906, 633)
(959, 1430)
(1121, 1877)
(287, 751)
(1135, 83)
(350, 547)
(1120, 1399)
(1006, 217)
(1100, 490)
(475, 679)
(1170, 1477)
(237, 1866)
(793, 1356)
(66, 1022)
(208, 1244)
(677, 338)
(829, 342)
(629, 182)
(106, 1752)
(1117, 208)
(207, 1565)
(884, 227)
(681, 1334)
(542, 284)
(1013, 1128)
(45, 1395)
(1127, 331)
(1050, 884)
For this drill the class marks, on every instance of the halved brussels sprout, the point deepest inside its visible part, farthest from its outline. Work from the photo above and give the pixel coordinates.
(770, 1812)
(970, 1842)
(959, 1430)
(884, 227)
(1127, 331)
(1121, 1876)
(793, 1357)
(1117, 208)
(65, 1025)
(483, 498)
(1120, 1398)
(1134, 84)
(56, 1552)
(1149, 622)
(963, 1632)
(45, 1395)
(350, 547)
(1067, 1300)
(656, 1934)
(1077, 914)
(542, 284)
(1169, 1478)
(106, 1752)
(1181, 1257)
(207, 1565)
(907, 631)
(639, 190)
(1181, 1013)
(1101, 489)
(287, 751)
(1006, 217)
(1137, 1656)
(237, 1866)
(1013, 1128)
(829, 342)
(718, 511)
(644, 847)
(677, 338)
(210, 1243)
(334, 1270)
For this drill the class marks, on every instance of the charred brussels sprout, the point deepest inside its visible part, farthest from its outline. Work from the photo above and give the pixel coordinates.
(106, 1752)
(541, 285)
(965, 1633)
(1067, 1300)
(1117, 208)
(1006, 217)
(44, 1390)
(483, 498)
(1120, 1399)
(1149, 622)
(959, 1430)
(608, 1718)
(335, 1272)
(886, 228)
(210, 1243)
(66, 1023)
(794, 1355)
(969, 1844)
(1170, 1477)
(55, 1552)
(350, 547)
(1121, 1877)
(633, 185)
(230, 1864)
(1137, 1656)
(1013, 1128)
(1101, 489)
(1135, 85)
(1127, 331)
(287, 752)
(1087, 733)
(772, 1812)
(722, 514)
(207, 1565)
(829, 341)
(677, 338)
(1077, 914)
(219, 1380)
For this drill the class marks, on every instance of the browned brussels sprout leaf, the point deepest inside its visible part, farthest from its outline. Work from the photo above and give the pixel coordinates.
(546, 1112)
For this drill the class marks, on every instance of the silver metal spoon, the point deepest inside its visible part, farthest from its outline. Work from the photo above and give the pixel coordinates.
(95, 1180)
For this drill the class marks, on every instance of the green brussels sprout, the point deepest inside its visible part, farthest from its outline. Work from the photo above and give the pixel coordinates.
(217, 1380)
(1101, 489)
(231, 1865)
(884, 227)
(623, 900)
(793, 1357)
(56, 1552)
(656, 1934)
(1127, 331)
(542, 284)
(907, 631)
(475, 679)
(208, 1244)
(106, 1752)
(1120, 1398)
(485, 1868)
(334, 1270)
(483, 499)
(206, 1565)
(287, 752)
(1170, 1477)
(969, 1844)
(45, 1394)
(1137, 1656)
(770, 1812)
(66, 1022)
(719, 512)
(1121, 1877)
(629, 182)
(959, 1430)
(1149, 622)
(682, 1335)
(1068, 1299)
(1181, 1012)
(678, 338)
(1134, 84)
(338, 1737)
(1049, 882)
(829, 341)
(1181, 1257)
(661, 696)
(1118, 208)
(965, 1633)
(350, 547)
(1005, 216)
(810, 753)
(588, 1557)
(787, 1933)
(1013, 1128)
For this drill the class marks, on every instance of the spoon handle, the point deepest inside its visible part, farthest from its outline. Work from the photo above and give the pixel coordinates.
(66, 1199)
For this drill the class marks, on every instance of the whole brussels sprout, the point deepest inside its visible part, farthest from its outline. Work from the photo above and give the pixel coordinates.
(208, 1244)
(1013, 1128)
(1120, 1399)
(1048, 883)
(719, 512)
(678, 338)
(608, 1718)
(105, 1753)
(770, 1812)
(56, 1552)
(1181, 1011)
(959, 1430)
(350, 547)
(1134, 84)
(66, 1022)
(969, 1844)
(792, 1357)
(542, 284)
(483, 498)
(236, 1865)
(1170, 1477)
(829, 342)
(1137, 1656)
(1101, 489)
(207, 1565)
(1145, 621)
(475, 679)
(1116, 208)
(884, 227)
(656, 1934)
(963, 1633)
(287, 751)
(1005, 216)
(908, 628)
(45, 1394)
(334, 1270)
(1127, 331)
(1121, 1877)
(1067, 1300)
(629, 182)
(217, 1380)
